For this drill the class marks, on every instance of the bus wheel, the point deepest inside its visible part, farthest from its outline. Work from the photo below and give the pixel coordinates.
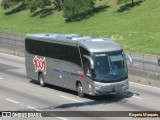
(41, 80)
(80, 90)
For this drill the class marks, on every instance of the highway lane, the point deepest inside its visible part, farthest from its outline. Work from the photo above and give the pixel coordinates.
(20, 93)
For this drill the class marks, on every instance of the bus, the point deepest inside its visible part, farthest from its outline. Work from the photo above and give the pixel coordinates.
(88, 65)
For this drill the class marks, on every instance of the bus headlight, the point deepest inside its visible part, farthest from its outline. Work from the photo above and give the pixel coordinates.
(97, 86)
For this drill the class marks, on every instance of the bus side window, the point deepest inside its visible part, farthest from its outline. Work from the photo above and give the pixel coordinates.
(87, 67)
(86, 64)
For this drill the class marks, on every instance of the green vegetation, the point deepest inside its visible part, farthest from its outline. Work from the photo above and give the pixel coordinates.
(33, 5)
(74, 10)
(121, 1)
(136, 27)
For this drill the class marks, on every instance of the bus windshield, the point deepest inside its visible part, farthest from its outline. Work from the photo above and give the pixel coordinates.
(110, 66)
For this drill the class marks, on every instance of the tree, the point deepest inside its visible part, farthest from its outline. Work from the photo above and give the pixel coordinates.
(75, 9)
(33, 5)
(132, 1)
(57, 4)
(9, 3)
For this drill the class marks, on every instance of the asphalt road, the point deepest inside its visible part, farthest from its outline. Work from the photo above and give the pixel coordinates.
(18, 93)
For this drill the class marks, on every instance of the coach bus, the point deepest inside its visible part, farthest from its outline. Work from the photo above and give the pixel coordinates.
(88, 65)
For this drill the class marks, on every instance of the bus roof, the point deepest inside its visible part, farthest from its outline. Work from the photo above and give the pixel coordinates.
(93, 44)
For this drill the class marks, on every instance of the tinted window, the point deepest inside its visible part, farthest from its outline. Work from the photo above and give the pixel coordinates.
(53, 50)
(84, 60)
(110, 66)
(84, 51)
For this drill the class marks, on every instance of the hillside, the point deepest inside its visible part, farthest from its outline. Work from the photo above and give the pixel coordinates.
(135, 28)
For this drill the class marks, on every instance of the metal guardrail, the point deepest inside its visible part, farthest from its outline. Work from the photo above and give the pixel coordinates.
(145, 69)
(140, 61)
(145, 62)
(12, 39)
(12, 44)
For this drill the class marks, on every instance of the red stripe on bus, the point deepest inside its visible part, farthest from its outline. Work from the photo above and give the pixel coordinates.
(81, 76)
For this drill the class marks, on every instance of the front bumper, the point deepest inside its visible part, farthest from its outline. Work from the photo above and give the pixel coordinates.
(111, 88)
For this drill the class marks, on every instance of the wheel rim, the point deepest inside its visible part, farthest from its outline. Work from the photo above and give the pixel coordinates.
(80, 89)
(41, 81)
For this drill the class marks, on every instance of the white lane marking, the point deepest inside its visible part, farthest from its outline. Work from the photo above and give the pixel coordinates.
(1, 78)
(33, 108)
(62, 118)
(137, 97)
(144, 85)
(12, 101)
(70, 98)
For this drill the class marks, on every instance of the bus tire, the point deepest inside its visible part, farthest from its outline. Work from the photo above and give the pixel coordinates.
(41, 80)
(80, 90)
(159, 62)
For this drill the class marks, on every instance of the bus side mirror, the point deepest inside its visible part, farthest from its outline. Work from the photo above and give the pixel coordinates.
(90, 60)
(128, 57)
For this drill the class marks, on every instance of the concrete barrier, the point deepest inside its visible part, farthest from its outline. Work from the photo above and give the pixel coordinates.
(144, 77)
(12, 44)
(14, 50)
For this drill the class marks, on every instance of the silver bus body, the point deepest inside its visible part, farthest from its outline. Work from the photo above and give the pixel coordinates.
(62, 58)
